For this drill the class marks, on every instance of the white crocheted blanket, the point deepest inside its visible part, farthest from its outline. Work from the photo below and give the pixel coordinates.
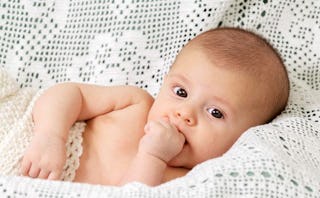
(15, 123)
(109, 42)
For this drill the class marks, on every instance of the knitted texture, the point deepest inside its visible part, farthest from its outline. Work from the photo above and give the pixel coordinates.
(16, 129)
(134, 42)
(15, 123)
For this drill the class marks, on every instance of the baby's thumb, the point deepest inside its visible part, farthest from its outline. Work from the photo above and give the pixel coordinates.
(147, 128)
(166, 119)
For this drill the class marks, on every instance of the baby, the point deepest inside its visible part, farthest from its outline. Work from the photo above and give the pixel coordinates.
(223, 82)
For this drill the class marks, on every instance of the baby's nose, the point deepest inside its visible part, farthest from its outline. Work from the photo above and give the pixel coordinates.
(188, 118)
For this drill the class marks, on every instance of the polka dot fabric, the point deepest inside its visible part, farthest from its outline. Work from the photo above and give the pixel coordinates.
(134, 42)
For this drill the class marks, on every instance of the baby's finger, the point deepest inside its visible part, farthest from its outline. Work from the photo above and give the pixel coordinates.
(34, 171)
(147, 128)
(165, 119)
(25, 167)
(165, 122)
(182, 137)
(54, 175)
(150, 126)
(44, 174)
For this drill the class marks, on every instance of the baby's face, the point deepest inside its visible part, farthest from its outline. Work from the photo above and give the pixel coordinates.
(209, 105)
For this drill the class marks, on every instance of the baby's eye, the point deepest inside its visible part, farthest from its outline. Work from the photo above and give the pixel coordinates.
(180, 92)
(215, 113)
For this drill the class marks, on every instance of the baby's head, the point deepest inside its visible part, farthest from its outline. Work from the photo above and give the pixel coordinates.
(250, 56)
(223, 82)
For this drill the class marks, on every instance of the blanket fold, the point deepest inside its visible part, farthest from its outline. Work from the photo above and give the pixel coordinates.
(15, 122)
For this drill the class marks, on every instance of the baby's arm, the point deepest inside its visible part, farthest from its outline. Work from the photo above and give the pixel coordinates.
(161, 142)
(56, 111)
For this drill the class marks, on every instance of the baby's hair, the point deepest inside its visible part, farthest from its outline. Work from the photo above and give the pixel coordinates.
(244, 51)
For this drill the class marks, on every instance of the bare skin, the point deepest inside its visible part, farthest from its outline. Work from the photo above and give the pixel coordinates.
(117, 145)
(106, 137)
(197, 115)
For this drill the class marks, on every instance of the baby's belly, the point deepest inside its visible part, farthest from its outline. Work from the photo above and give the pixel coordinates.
(110, 142)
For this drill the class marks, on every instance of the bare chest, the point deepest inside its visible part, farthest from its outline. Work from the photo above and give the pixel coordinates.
(110, 142)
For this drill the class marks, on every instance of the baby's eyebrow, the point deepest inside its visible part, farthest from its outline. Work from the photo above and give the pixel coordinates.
(179, 76)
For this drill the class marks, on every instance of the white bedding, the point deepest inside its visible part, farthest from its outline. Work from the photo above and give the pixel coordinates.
(109, 42)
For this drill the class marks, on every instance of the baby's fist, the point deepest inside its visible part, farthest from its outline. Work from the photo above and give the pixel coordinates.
(162, 140)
